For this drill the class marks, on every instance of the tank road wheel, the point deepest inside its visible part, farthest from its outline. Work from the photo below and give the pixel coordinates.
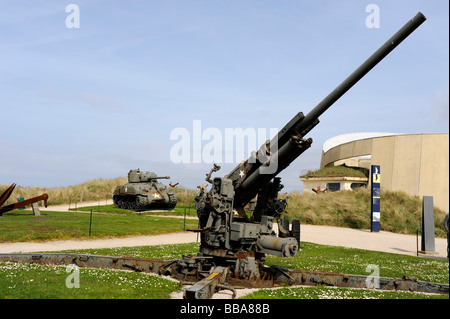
(118, 201)
(141, 202)
(296, 230)
(172, 201)
(132, 204)
(126, 203)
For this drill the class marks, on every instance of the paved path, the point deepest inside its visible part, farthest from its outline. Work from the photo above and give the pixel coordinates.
(365, 239)
(59, 245)
(65, 207)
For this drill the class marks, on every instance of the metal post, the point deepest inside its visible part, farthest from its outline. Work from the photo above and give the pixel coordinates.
(417, 242)
(90, 224)
(184, 227)
(198, 227)
(428, 234)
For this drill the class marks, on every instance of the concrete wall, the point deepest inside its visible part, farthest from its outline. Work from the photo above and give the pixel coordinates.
(417, 164)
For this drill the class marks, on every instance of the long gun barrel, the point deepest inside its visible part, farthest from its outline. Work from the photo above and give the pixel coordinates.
(288, 144)
(364, 68)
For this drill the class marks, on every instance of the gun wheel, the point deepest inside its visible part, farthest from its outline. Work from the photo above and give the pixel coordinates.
(285, 225)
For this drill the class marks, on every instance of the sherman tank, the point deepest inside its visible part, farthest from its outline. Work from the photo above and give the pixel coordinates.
(144, 192)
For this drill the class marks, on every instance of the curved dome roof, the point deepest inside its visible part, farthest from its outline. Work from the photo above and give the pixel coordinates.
(350, 137)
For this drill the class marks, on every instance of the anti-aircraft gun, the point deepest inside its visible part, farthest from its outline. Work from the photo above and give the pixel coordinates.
(233, 245)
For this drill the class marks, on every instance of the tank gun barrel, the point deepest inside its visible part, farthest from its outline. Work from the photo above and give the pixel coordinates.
(288, 144)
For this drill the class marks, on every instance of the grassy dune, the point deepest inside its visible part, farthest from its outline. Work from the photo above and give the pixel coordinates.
(400, 212)
(98, 189)
(94, 190)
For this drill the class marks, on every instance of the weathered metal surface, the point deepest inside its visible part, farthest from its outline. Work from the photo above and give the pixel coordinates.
(207, 287)
(7, 193)
(87, 261)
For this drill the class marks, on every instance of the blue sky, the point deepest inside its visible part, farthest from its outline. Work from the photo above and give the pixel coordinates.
(96, 101)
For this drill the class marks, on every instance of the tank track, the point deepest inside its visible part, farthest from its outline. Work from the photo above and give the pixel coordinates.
(139, 202)
(130, 202)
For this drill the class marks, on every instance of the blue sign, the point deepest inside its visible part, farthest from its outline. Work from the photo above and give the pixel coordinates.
(21, 199)
(375, 205)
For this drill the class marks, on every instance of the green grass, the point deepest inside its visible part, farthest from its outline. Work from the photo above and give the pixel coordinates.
(337, 293)
(47, 282)
(30, 281)
(316, 257)
(19, 226)
(165, 252)
(338, 171)
(111, 209)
